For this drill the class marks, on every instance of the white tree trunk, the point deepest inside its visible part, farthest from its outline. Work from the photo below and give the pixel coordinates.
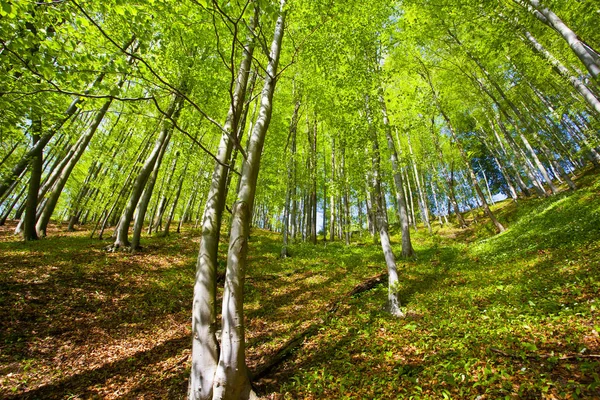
(231, 378)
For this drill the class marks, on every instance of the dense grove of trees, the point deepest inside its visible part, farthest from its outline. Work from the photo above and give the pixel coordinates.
(135, 117)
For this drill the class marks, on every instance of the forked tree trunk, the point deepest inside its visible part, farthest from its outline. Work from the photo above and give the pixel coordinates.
(231, 378)
(121, 239)
(205, 351)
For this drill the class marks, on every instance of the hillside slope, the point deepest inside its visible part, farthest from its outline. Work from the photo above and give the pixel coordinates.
(488, 315)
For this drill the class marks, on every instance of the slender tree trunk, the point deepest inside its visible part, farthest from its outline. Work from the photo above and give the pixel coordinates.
(382, 227)
(407, 249)
(421, 197)
(312, 138)
(142, 206)
(290, 178)
(486, 208)
(29, 232)
(43, 141)
(587, 55)
(511, 189)
(411, 197)
(346, 199)
(586, 93)
(435, 202)
(121, 237)
(63, 177)
(332, 208)
(175, 200)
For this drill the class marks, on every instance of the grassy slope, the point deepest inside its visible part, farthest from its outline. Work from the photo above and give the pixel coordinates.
(532, 293)
(76, 321)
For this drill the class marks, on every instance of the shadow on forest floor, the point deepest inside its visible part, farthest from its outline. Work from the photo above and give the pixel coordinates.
(487, 315)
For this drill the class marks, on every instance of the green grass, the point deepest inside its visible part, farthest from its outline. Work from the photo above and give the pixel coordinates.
(530, 293)
(488, 316)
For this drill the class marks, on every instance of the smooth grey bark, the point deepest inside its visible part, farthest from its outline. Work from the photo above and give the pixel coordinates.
(332, 195)
(587, 55)
(407, 249)
(291, 182)
(540, 166)
(577, 83)
(29, 232)
(65, 173)
(503, 154)
(520, 154)
(447, 177)
(121, 238)
(231, 377)
(381, 224)
(18, 169)
(142, 206)
(313, 188)
(205, 349)
(487, 184)
(511, 188)
(346, 199)
(411, 197)
(166, 195)
(420, 196)
(436, 203)
(175, 200)
(484, 203)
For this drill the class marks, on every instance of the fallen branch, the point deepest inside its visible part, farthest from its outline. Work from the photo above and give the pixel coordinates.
(179, 362)
(545, 356)
(288, 348)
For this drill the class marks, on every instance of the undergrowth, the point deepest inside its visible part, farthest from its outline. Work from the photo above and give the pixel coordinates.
(488, 316)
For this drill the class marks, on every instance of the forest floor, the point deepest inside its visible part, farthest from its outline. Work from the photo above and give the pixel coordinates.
(515, 315)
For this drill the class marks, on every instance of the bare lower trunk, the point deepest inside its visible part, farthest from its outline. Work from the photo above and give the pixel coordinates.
(121, 237)
(231, 378)
(407, 249)
(382, 226)
(205, 351)
(29, 232)
(61, 181)
(142, 206)
(587, 55)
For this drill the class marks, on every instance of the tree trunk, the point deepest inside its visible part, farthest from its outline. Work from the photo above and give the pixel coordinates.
(231, 378)
(121, 239)
(29, 232)
(587, 55)
(382, 227)
(142, 206)
(175, 200)
(407, 249)
(79, 149)
(332, 208)
(205, 352)
(290, 178)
